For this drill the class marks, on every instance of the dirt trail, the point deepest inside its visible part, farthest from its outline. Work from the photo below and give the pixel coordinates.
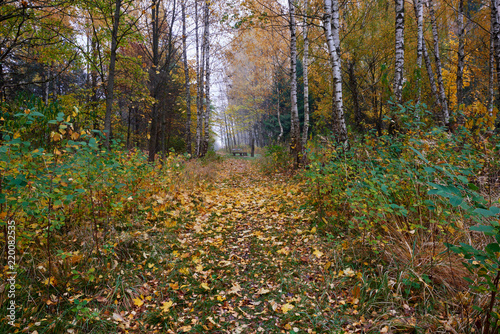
(250, 260)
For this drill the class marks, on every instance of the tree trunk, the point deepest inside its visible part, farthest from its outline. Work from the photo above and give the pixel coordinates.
(495, 35)
(445, 114)
(111, 73)
(294, 126)
(305, 75)
(153, 77)
(491, 81)
(279, 116)
(206, 42)
(186, 76)
(353, 83)
(199, 96)
(460, 60)
(331, 22)
(419, 13)
(252, 142)
(399, 49)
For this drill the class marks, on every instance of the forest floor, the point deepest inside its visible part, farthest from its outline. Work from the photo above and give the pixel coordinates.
(249, 260)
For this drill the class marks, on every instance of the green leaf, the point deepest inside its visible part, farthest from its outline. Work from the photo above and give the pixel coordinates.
(493, 248)
(484, 212)
(455, 201)
(483, 228)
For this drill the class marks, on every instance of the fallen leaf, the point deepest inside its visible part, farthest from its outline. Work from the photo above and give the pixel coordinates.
(165, 306)
(318, 253)
(138, 302)
(286, 307)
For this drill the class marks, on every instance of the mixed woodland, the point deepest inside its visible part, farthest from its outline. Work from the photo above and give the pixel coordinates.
(367, 200)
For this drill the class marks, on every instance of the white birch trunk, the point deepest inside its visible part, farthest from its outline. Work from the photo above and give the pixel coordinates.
(419, 13)
(495, 35)
(331, 22)
(186, 76)
(461, 58)
(305, 61)
(491, 81)
(295, 128)
(399, 49)
(445, 114)
(200, 76)
(206, 41)
(279, 116)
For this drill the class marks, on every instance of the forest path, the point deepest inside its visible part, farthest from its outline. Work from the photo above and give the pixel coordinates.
(249, 261)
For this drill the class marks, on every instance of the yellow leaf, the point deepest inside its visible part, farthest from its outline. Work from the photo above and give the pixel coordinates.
(165, 306)
(328, 265)
(50, 281)
(221, 298)
(318, 253)
(286, 307)
(138, 302)
(313, 230)
(262, 291)
(184, 271)
(174, 286)
(205, 286)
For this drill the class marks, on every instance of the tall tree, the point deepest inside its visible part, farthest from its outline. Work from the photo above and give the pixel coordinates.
(419, 13)
(495, 35)
(295, 126)
(186, 76)
(111, 72)
(305, 75)
(331, 25)
(444, 114)
(461, 58)
(206, 43)
(200, 70)
(400, 49)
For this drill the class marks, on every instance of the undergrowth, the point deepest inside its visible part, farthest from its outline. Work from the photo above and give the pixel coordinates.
(405, 200)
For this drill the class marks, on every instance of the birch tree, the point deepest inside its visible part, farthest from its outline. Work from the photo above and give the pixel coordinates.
(445, 114)
(399, 49)
(111, 72)
(461, 58)
(331, 25)
(305, 75)
(295, 127)
(200, 69)
(419, 13)
(186, 77)
(495, 35)
(206, 52)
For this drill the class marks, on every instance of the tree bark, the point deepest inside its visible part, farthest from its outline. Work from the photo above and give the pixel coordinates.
(295, 127)
(495, 35)
(305, 75)
(186, 85)
(491, 81)
(353, 83)
(111, 73)
(419, 13)
(206, 42)
(153, 77)
(279, 116)
(399, 49)
(460, 60)
(200, 64)
(445, 114)
(331, 22)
